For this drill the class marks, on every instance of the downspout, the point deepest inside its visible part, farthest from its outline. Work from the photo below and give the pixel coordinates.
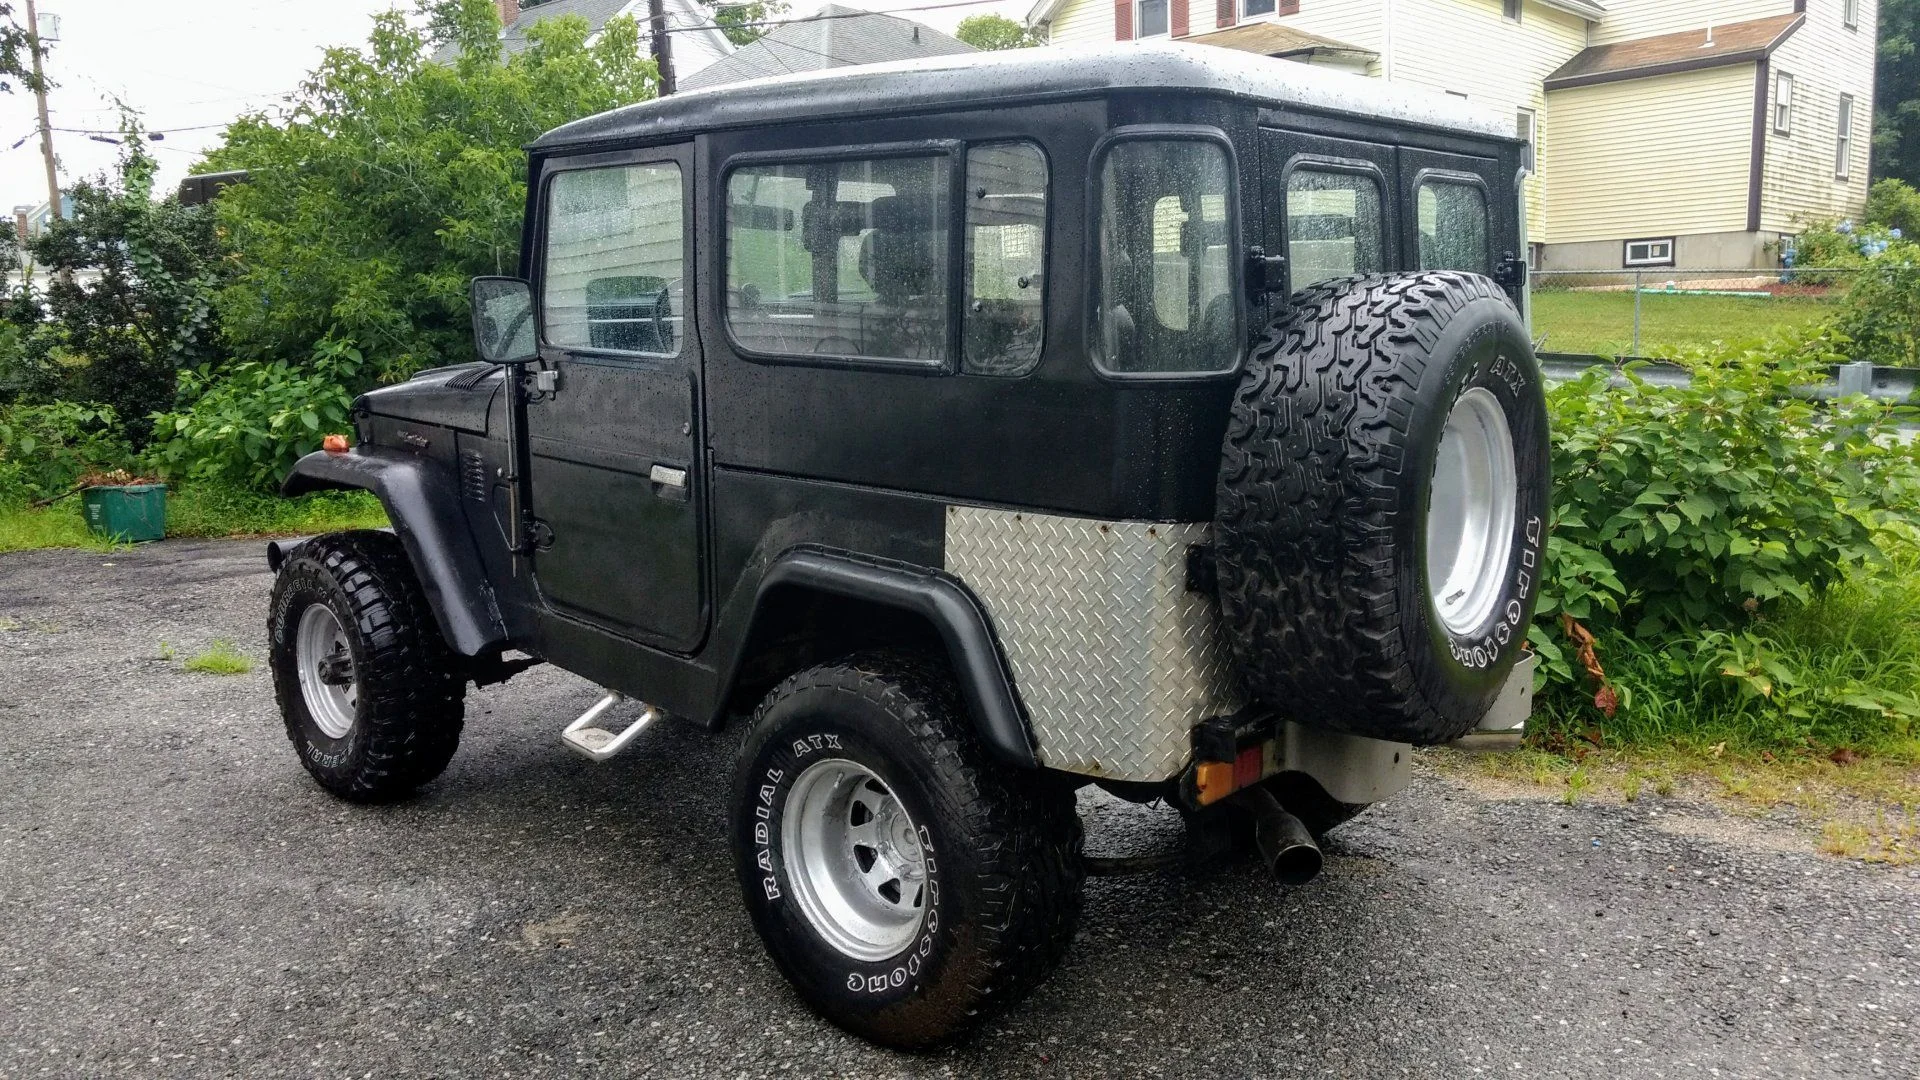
(1386, 44)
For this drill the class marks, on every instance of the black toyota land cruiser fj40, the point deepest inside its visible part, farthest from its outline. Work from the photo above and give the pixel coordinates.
(1157, 417)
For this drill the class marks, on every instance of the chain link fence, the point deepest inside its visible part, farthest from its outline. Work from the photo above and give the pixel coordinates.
(1657, 311)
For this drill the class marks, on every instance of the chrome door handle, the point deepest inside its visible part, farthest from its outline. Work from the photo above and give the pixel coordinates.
(667, 476)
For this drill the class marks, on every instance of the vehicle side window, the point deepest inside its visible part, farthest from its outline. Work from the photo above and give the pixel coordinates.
(1164, 298)
(1333, 225)
(840, 258)
(615, 249)
(1006, 239)
(1453, 227)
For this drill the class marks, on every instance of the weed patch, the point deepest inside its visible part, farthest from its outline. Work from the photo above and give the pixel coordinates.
(198, 510)
(222, 657)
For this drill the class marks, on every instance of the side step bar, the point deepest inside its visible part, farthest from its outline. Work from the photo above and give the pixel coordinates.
(597, 742)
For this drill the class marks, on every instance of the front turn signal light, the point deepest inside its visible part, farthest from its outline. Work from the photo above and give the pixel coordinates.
(334, 444)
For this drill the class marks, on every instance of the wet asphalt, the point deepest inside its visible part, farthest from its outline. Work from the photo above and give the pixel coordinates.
(177, 899)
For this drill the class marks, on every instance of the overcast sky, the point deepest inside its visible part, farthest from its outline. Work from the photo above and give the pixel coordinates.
(201, 63)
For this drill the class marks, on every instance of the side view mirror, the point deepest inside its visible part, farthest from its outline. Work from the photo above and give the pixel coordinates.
(503, 326)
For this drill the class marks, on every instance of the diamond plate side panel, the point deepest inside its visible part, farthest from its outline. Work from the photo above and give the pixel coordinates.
(1113, 657)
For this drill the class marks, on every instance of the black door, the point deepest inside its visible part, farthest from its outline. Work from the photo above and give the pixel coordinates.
(1451, 202)
(1330, 205)
(615, 475)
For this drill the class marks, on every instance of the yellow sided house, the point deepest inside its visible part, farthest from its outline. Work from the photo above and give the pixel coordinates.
(1666, 133)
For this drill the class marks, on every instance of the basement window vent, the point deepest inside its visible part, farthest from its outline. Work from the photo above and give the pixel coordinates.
(1650, 252)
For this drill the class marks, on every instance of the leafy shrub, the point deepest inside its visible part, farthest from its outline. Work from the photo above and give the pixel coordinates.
(1684, 516)
(1827, 245)
(45, 448)
(1894, 204)
(1882, 309)
(248, 424)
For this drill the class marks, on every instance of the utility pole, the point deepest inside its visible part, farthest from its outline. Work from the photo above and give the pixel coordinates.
(46, 125)
(662, 43)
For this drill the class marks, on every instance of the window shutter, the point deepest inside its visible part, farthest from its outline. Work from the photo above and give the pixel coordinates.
(1179, 18)
(1287, 7)
(1223, 14)
(1123, 20)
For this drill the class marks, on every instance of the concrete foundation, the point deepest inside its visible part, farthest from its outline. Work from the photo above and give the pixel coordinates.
(1695, 251)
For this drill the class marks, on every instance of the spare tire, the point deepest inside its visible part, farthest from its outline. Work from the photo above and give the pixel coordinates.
(1382, 505)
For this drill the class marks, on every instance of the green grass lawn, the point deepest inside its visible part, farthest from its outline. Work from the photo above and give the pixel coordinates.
(199, 511)
(1602, 322)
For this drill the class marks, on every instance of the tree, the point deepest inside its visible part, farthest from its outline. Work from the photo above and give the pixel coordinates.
(995, 32)
(746, 23)
(393, 179)
(16, 52)
(1896, 134)
(128, 304)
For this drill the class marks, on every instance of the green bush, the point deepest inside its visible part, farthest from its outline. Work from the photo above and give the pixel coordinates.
(247, 425)
(1894, 204)
(1881, 313)
(45, 448)
(1686, 518)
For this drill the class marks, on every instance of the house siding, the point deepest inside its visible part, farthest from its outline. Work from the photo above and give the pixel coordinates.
(1680, 166)
(1629, 19)
(1468, 47)
(1826, 60)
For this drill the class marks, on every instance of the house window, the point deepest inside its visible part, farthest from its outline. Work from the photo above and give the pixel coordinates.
(613, 276)
(1650, 252)
(1843, 138)
(1850, 13)
(1001, 322)
(1525, 125)
(1150, 18)
(1511, 9)
(843, 258)
(1783, 103)
(1253, 9)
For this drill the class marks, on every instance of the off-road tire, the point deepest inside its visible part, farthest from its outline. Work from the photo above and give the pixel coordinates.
(1323, 499)
(1005, 872)
(411, 693)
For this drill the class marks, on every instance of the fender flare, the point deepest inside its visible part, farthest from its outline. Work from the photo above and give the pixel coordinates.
(986, 682)
(423, 504)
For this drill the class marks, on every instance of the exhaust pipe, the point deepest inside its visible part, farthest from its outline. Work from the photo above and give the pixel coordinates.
(1286, 847)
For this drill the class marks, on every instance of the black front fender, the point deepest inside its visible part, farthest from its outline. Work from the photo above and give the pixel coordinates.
(422, 502)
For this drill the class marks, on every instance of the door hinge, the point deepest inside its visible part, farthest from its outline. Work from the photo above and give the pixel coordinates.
(547, 380)
(1265, 273)
(1511, 271)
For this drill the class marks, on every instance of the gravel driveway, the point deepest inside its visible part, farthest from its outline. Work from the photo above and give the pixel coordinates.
(178, 899)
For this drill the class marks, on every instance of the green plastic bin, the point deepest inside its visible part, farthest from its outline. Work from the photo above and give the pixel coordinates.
(127, 512)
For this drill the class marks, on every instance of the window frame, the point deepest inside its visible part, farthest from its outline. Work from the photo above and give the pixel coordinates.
(1843, 121)
(551, 171)
(1236, 255)
(1530, 157)
(1275, 11)
(962, 269)
(1783, 106)
(1138, 22)
(1514, 11)
(1450, 176)
(954, 150)
(1626, 252)
(1850, 14)
(1334, 164)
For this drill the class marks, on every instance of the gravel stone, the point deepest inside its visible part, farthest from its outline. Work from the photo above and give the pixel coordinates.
(177, 899)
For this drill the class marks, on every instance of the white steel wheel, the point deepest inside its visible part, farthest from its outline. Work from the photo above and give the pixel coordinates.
(1471, 513)
(325, 663)
(855, 860)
